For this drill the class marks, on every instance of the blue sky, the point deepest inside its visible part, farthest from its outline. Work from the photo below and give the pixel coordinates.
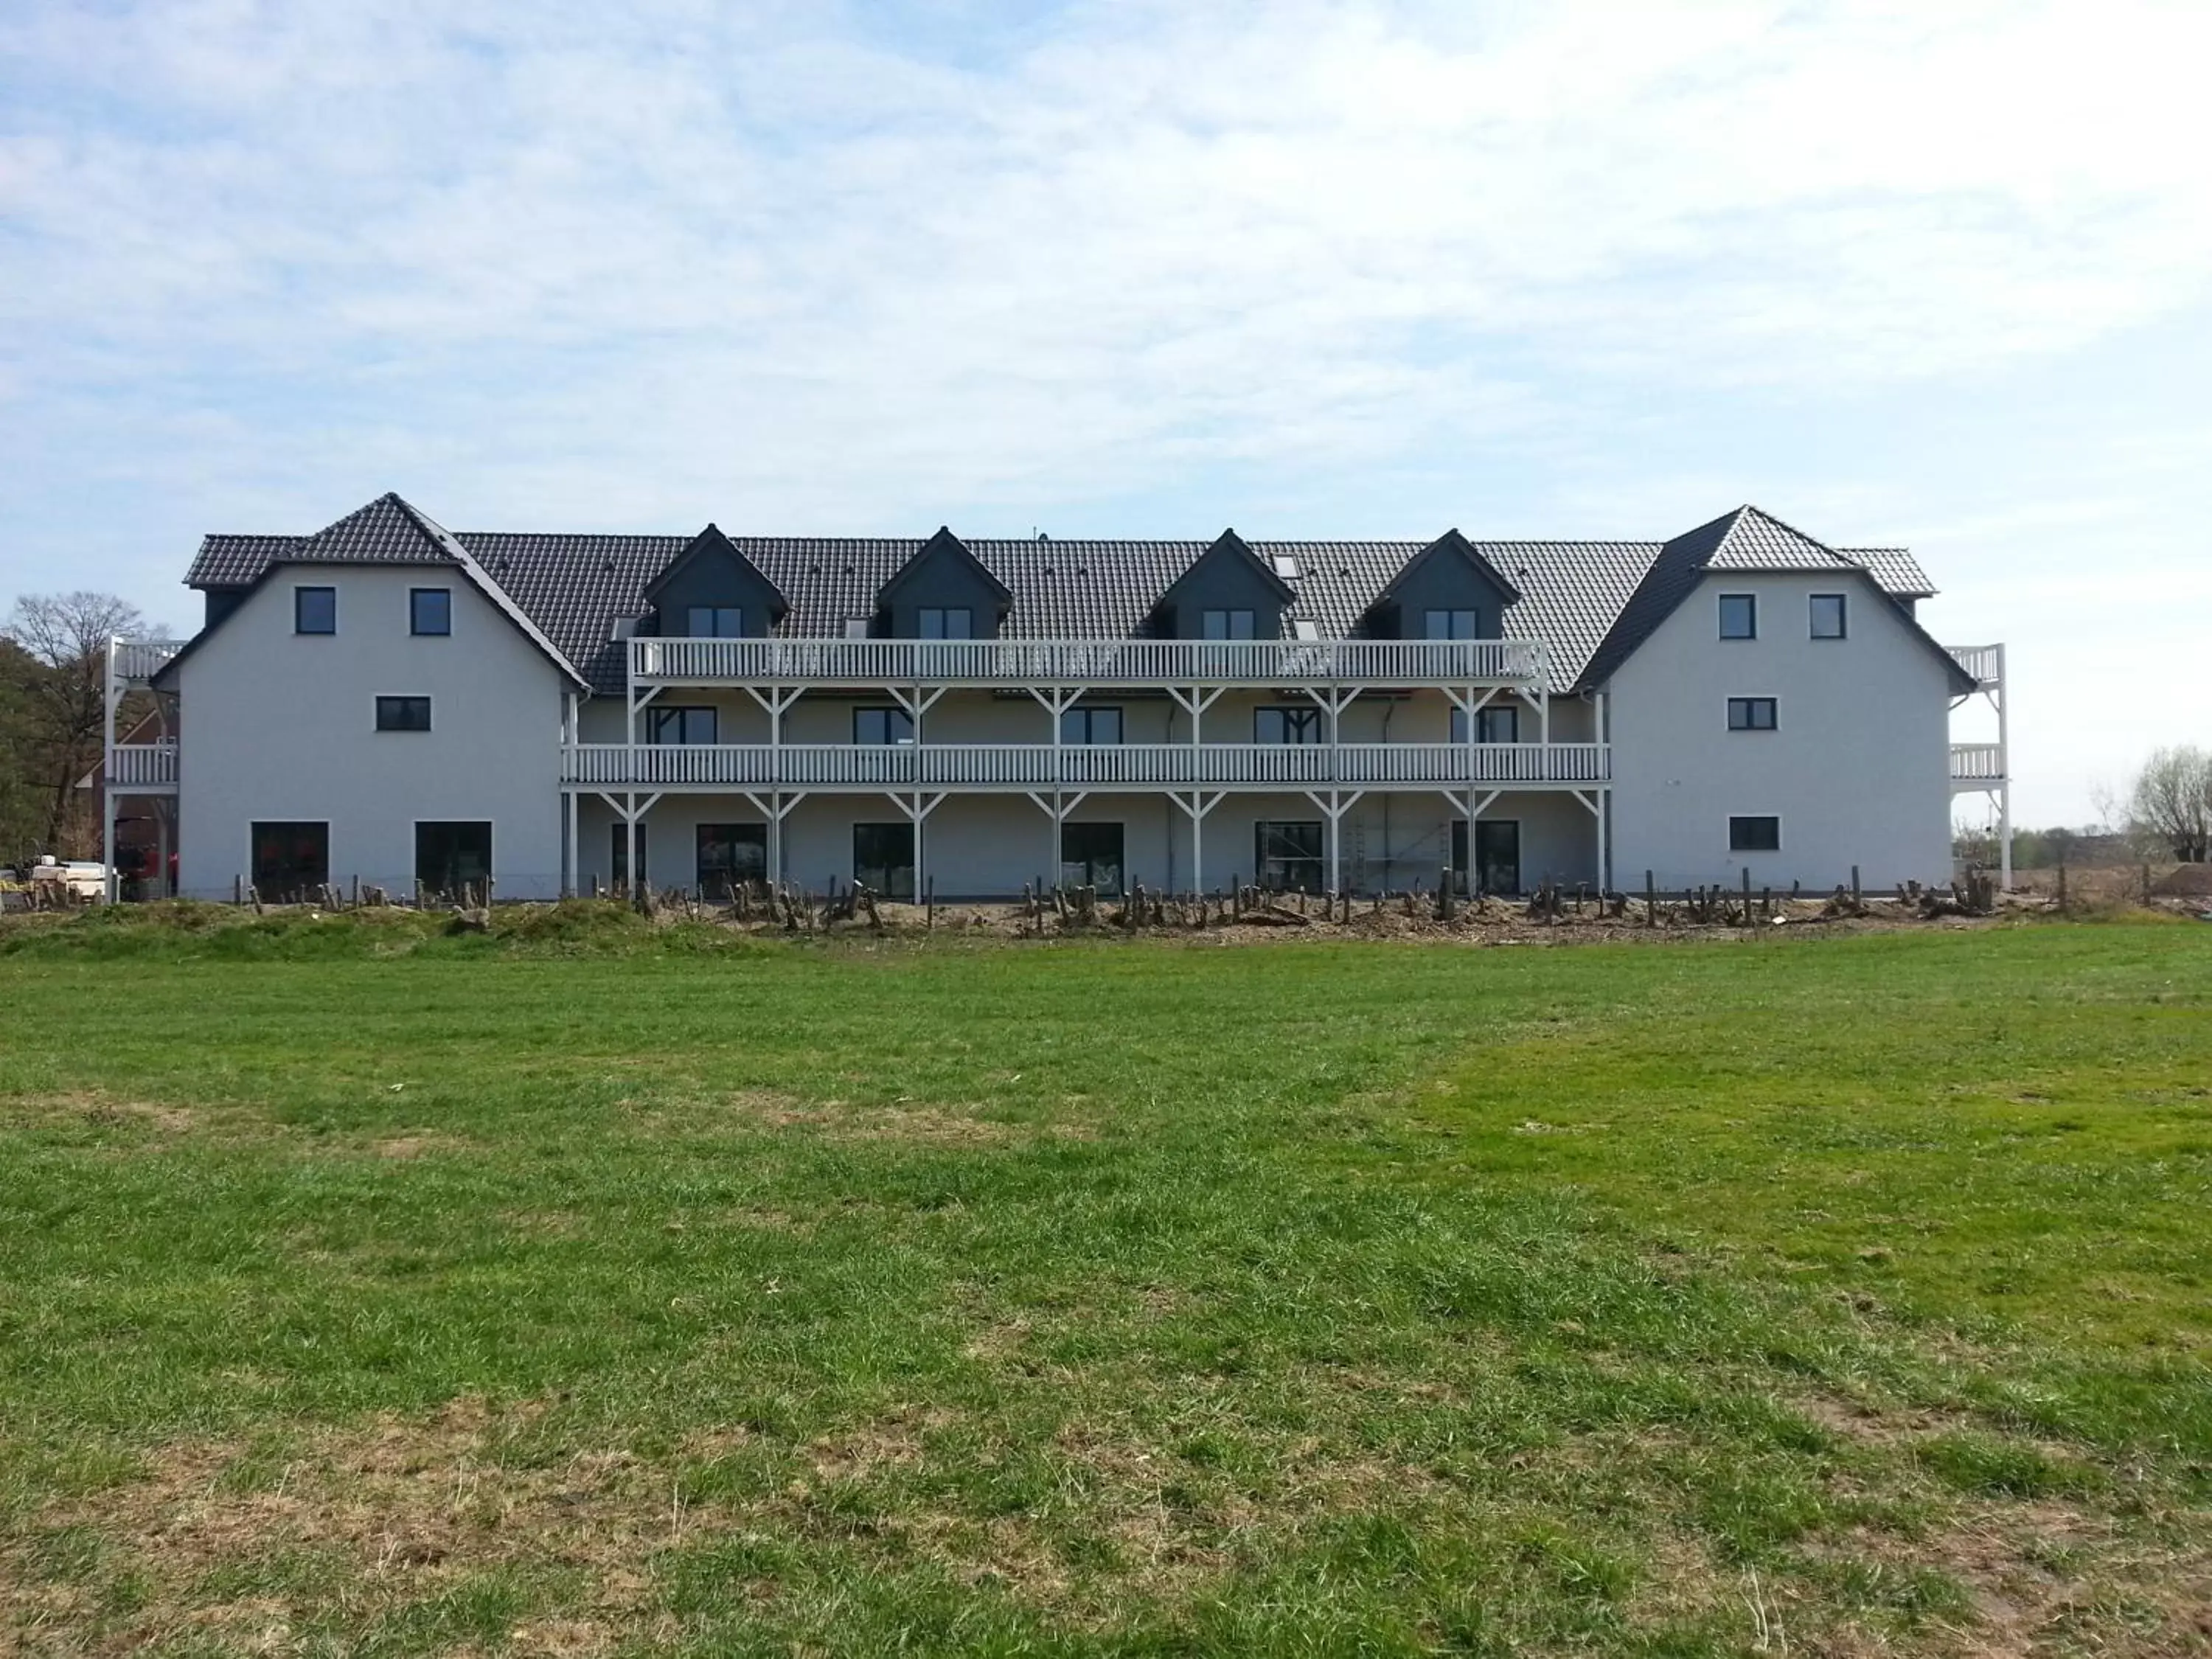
(1896, 272)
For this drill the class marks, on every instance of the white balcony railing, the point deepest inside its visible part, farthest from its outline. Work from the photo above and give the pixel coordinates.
(138, 660)
(1973, 764)
(1106, 766)
(142, 765)
(1087, 662)
(1985, 662)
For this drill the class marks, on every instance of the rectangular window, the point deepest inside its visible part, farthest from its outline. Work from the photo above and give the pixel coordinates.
(958, 623)
(618, 861)
(881, 725)
(1751, 713)
(403, 713)
(1755, 835)
(1450, 624)
(1827, 616)
(715, 622)
(1091, 726)
(1499, 725)
(1739, 616)
(452, 858)
(1288, 855)
(430, 611)
(290, 860)
(1090, 856)
(1226, 624)
(731, 854)
(1497, 855)
(883, 858)
(315, 611)
(682, 725)
(1287, 724)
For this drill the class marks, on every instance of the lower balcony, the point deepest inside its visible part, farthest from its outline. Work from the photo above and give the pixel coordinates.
(1121, 766)
(1976, 765)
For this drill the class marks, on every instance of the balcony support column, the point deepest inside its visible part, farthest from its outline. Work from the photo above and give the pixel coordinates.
(630, 811)
(2004, 773)
(1474, 805)
(568, 848)
(1333, 804)
(1335, 699)
(1056, 807)
(1198, 805)
(776, 809)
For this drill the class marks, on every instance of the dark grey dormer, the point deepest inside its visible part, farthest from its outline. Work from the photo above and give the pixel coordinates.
(1229, 584)
(708, 581)
(1443, 587)
(942, 592)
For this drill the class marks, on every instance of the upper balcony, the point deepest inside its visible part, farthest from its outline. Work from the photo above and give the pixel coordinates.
(1985, 662)
(136, 661)
(1016, 663)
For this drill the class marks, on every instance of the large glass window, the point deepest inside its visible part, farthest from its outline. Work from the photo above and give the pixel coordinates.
(681, 725)
(290, 860)
(1739, 616)
(1501, 724)
(618, 861)
(1827, 616)
(883, 858)
(1225, 624)
(429, 610)
(1286, 724)
(315, 611)
(1091, 726)
(1287, 855)
(715, 622)
(1090, 856)
(730, 855)
(881, 725)
(947, 622)
(1497, 855)
(1755, 834)
(453, 858)
(1751, 713)
(403, 713)
(1451, 624)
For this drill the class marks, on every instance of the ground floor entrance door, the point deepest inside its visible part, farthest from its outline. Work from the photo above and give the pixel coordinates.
(1286, 856)
(1497, 855)
(452, 858)
(883, 858)
(731, 854)
(1090, 856)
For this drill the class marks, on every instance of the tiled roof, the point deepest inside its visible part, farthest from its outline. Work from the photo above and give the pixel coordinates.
(1895, 569)
(1580, 597)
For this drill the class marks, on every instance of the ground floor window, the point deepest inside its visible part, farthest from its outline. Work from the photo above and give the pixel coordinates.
(1755, 834)
(1287, 855)
(290, 860)
(731, 854)
(618, 859)
(452, 857)
(1090, 856)
(1497, 855)
(883, 858)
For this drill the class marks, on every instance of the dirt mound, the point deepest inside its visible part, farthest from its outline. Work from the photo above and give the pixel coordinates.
(2185, 881)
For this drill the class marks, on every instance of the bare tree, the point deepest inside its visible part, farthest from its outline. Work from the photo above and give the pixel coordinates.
(2170, 805)
(64, 696)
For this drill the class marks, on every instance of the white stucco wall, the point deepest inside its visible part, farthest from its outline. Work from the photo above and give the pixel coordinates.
(278, 725)
(1858, 769)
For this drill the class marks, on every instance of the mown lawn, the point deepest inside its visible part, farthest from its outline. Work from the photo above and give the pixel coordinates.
(585, 1294)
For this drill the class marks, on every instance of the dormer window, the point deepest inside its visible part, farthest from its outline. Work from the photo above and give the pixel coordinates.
(715, 622)
(1227, 625)
(1451, 624)
(947, 622)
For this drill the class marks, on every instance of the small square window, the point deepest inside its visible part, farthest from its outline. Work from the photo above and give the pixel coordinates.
(1091, 726)
(1303, 629)
(315, 611)
(1827, 616)
(1755, 834)
(856, 627)
(1286, 566)
(1739, 617)
(403, 713)
(1751, 713)
(430, 611)
(715, 622)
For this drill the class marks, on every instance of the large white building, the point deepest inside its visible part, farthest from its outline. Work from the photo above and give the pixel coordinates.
(389, 703)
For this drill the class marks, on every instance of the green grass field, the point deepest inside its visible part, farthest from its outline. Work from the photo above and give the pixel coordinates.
(367, 1292)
